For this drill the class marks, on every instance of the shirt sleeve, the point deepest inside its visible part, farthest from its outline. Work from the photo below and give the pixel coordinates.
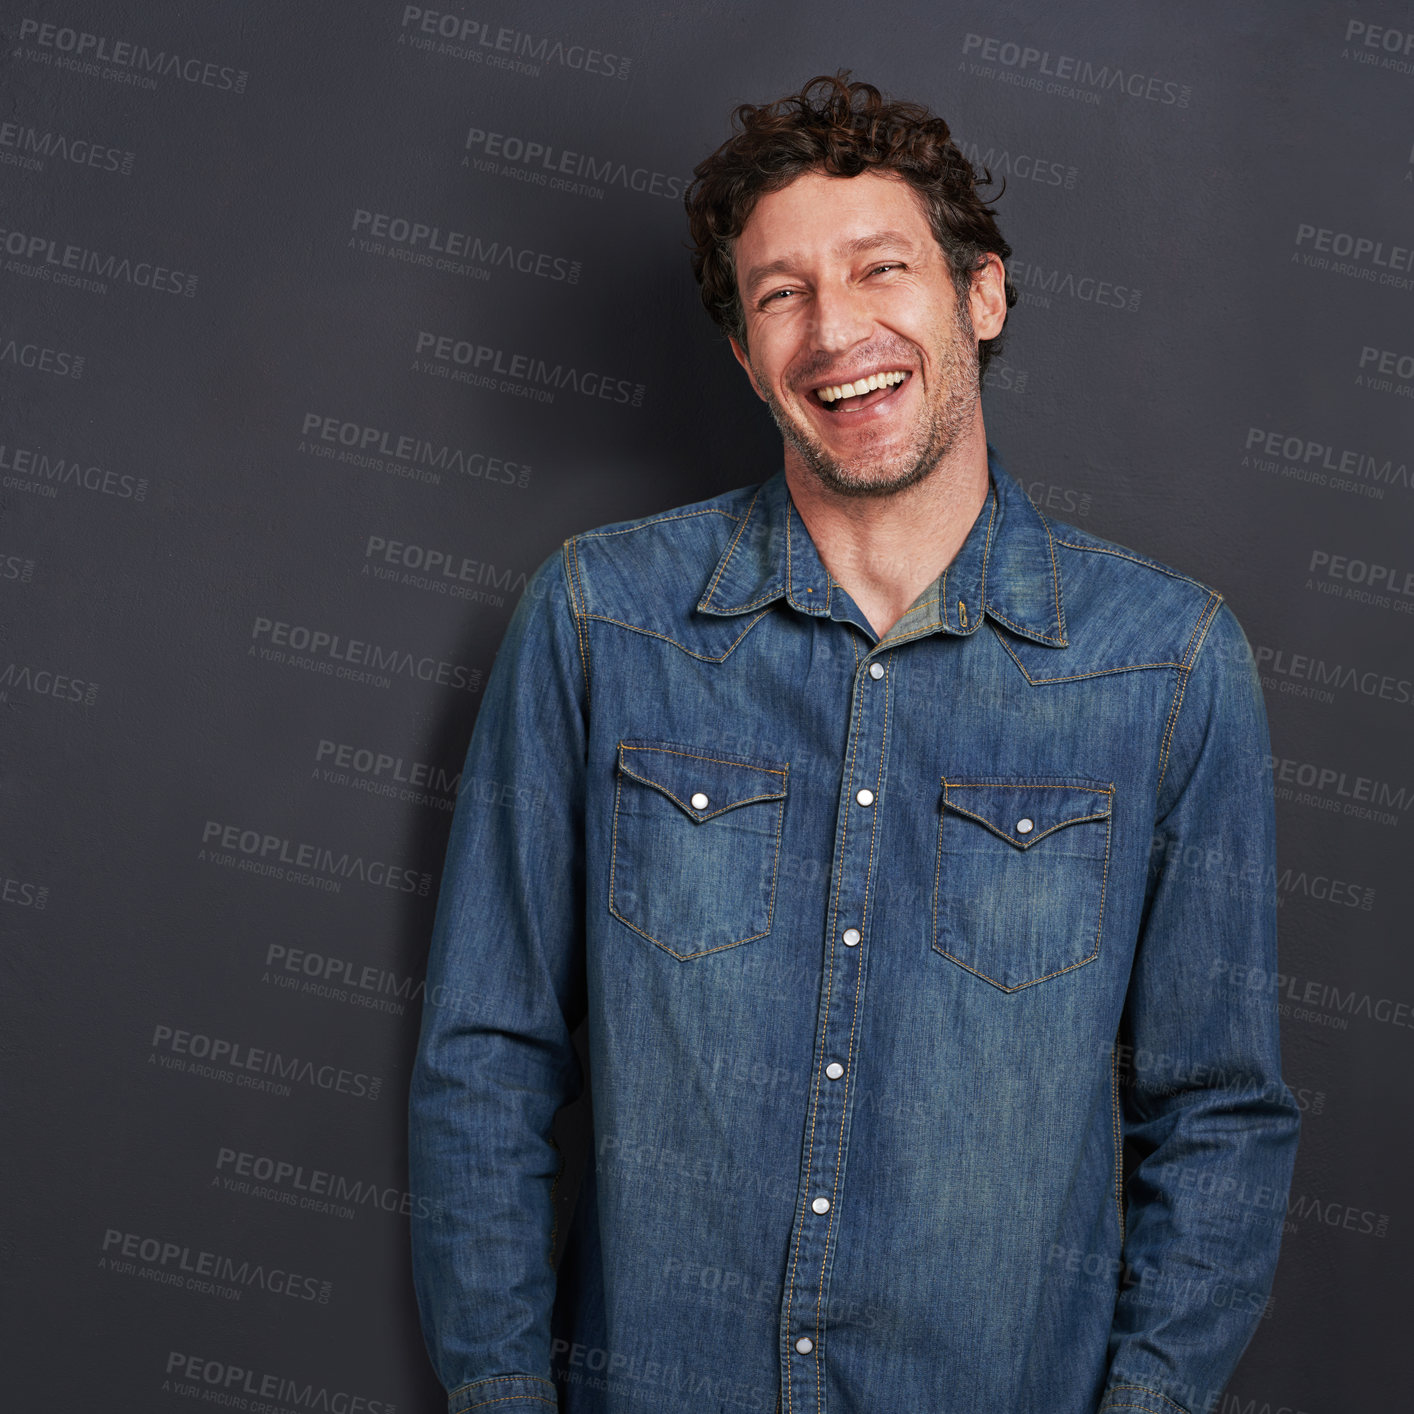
(1204, 1106)
(504, 992)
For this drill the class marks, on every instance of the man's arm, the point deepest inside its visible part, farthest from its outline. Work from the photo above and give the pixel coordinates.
(1207, 1107)
(504, 992)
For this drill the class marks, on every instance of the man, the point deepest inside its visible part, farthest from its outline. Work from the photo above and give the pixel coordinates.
(901, 847)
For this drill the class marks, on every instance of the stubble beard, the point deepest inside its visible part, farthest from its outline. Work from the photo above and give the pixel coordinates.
(936, 436)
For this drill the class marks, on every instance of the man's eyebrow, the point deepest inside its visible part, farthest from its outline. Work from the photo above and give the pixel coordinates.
(861, 245)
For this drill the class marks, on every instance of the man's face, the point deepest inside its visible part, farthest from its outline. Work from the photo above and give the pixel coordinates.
(840, 280)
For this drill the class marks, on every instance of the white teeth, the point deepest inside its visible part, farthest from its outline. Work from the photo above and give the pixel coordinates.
(860, 386)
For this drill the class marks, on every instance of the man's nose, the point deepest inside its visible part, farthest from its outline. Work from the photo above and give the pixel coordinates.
(841, 319)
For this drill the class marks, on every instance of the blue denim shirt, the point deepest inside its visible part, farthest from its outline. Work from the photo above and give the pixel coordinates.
(922, 1075)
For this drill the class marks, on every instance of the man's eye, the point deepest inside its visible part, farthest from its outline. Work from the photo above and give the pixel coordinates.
(880, 269)
(777, 295)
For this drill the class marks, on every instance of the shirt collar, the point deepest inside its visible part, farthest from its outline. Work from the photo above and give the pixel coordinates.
(1007, 565)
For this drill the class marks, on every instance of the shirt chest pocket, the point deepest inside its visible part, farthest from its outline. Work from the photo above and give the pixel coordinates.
(1019, 894)
(696, 845)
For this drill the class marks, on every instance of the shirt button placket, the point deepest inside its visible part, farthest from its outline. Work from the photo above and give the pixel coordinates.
(826, 1117)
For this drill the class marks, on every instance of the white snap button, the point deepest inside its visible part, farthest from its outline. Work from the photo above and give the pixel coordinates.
(851, 937)
(865, 797)
(805, 1345)
(700, 802)
(834, 1070)
(821, 1205)
(876, 671)
(1025, 826)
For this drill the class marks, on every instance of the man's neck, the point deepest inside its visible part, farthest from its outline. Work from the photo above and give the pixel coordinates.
(885, 550)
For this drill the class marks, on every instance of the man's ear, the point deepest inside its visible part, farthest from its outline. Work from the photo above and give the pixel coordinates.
(745, 362)
(988, 297)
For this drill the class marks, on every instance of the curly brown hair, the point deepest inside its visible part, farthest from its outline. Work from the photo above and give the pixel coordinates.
(842, 128)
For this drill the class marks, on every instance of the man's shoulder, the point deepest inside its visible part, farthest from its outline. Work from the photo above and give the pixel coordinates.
(687, 523)
(1125, 609)
(1089, 556)
(649, 572)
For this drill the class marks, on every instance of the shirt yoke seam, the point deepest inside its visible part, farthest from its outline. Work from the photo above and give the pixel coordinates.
(655, 520)
(570, 562)
(1137, 560)
(1190, 654)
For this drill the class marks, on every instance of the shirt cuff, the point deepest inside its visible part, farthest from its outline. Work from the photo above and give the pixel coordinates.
(504, 1394)
(1135, 1399)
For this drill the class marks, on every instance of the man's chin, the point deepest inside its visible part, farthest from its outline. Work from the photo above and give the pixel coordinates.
(863, 478)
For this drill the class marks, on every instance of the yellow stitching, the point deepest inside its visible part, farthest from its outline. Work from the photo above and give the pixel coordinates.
(497, 1380)
(1030, 840)
(1024, 785)
(829, 976)
(658, 520)
(1055, 578)
(1020, 986)
(986, 549)
(853, 1024)
(1076, 677)
(504, 1399)
(1148, 1394)
(1118, 1133)
(756, 603)
(1148, 564)
(731, 549)
(569, 552)
(688, 956)
(720, 810)
(1021, 628)
(1209, 613)
(701, 657)
(1104, 884)
(719, 760)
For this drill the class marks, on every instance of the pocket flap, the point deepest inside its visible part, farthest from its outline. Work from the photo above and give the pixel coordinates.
(1022, 812)
(703, 783)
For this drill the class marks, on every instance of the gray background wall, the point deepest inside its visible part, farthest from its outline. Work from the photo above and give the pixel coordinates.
(242, 444)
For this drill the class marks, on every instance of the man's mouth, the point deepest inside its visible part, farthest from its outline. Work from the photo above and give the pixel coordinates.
(862, 392)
